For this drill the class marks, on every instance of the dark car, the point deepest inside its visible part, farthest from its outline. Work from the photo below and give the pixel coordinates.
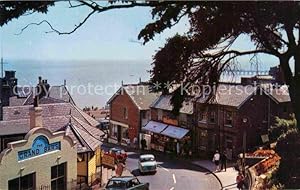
(118, 153)
(126, 183)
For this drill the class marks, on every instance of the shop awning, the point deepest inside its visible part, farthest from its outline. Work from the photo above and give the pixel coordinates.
(175, 132)
(119, 123)
(155, 127)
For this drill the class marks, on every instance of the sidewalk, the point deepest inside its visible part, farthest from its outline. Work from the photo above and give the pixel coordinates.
(227, 178)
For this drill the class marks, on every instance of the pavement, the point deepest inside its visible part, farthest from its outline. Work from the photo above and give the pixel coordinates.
(227, 179)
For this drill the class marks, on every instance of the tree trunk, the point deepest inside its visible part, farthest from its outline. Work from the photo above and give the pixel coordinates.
(293, 83)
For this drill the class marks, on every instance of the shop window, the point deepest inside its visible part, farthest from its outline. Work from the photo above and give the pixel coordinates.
(228, 118)
(125, 113)
(114, 131)
(202, 116)
(212, 117)
(58, 177)
(26, 182)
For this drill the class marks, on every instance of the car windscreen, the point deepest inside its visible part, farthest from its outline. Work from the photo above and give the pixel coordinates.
(114, 184)
(146, 159)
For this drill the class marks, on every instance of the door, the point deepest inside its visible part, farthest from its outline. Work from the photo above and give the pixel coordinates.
(119, 134)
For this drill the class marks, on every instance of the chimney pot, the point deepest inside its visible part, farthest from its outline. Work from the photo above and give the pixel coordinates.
(35, 114)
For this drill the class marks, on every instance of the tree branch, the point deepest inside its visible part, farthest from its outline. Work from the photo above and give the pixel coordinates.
(55, 30)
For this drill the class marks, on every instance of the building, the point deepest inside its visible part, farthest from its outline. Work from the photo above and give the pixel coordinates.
(60, 114)
(221, 121)
(129, 111)
(42, 160)
(167, 129)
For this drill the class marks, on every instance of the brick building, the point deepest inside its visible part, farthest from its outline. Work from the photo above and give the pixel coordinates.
(167, 129)
(221, 121)
(129, 111)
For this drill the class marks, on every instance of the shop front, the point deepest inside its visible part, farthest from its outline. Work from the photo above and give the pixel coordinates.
(119, 133)
(43, 160)
(168, 138)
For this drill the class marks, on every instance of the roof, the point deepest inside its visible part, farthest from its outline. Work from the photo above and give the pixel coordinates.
(122, 178)
(147, 156)
(280, 95)
(56, 117)
(230, 95)
(164, 103)
(57, 94)
(140, 94)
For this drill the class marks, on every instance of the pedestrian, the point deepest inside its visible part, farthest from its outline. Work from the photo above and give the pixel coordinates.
(223, 160)
(143, 144)
(135, 142)
(216, 160)
(240, 180)
(177, 148)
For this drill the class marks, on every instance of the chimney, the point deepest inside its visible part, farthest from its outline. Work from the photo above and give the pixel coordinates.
(35, 114)
(42, 88)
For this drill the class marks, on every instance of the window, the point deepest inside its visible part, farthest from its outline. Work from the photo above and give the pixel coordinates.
(183, 118)
(160, 115)
(202, 117)
(228, 118)
(7, 140)
(26, 182)
(212, 117)
(125, 113)
(125, 133)
(144, 114)
(58, 177)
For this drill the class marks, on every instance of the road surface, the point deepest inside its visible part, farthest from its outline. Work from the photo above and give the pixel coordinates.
(174, 175)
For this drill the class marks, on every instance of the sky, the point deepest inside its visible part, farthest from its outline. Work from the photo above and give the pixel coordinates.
(105, 36)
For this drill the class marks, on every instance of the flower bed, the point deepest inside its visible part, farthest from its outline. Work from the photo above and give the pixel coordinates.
(263, 169)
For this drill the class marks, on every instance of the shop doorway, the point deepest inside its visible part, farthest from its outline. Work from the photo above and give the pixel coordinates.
(119, 134)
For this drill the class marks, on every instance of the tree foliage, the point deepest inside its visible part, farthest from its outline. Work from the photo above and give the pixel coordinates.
(283, 127)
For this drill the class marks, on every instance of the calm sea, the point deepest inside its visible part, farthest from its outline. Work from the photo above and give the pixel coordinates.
(89, 82)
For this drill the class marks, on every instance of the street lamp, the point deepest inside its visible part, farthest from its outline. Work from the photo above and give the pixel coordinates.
(245, 120)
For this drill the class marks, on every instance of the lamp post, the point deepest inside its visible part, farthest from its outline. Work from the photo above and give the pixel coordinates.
(245, 120)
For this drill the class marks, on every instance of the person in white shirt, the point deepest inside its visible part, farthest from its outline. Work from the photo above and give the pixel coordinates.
(216, 160)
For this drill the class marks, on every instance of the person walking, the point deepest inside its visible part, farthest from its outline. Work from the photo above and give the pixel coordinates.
(216, 160)
(143, 144)
(240, 181)
(223, 160)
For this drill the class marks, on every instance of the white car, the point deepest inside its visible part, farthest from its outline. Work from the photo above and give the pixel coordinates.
(147, 163)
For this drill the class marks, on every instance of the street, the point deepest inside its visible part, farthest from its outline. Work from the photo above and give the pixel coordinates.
(173, 174)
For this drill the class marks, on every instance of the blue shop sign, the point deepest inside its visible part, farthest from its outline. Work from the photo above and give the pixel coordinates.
(39, 146)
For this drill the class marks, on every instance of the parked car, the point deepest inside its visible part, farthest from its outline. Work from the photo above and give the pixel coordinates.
(126, 183)
(118, 153)
(147, 163)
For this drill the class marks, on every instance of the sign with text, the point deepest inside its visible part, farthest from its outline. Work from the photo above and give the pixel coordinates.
(108, 161)
(39, 146)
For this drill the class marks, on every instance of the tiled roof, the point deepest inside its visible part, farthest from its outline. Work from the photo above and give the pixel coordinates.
(280, 95)
(164, 103)
(56, 117)
(230, 95)
(141, 95)
(49, 110)
(25, 96)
